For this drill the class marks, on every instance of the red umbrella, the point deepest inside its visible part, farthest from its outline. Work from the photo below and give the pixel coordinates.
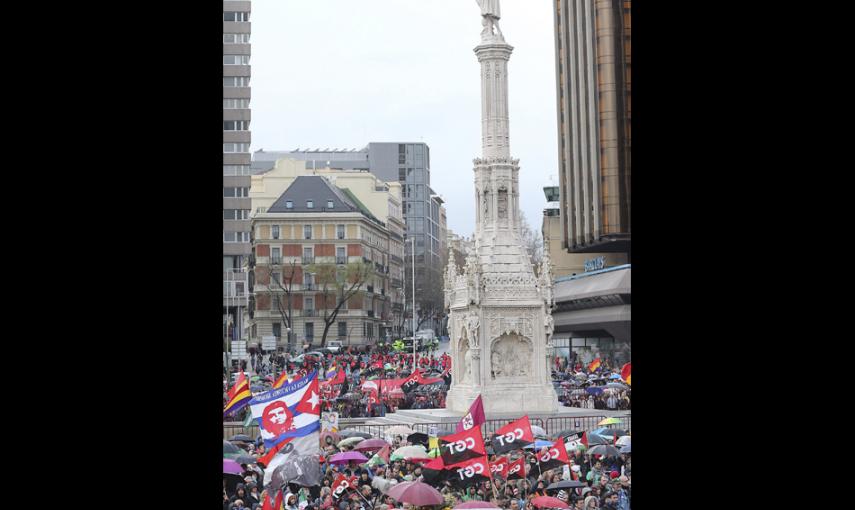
(548, 502)
(417, 493)
(370, 445)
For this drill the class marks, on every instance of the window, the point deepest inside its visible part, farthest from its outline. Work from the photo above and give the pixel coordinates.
(235, 147)
(307, 256)
(307, 231)
(236, 192)
(289, 204)
(235, 81)
(340, 255)
(235, 104)
(402, 174)
(339, 231)
(330, 204)
(235, 38)
(310, 331)
(310, 204)
(235, 16)
(308, 303)
(307, 281)
(275, 276)
(236, 170)
(236, 237)
(275, 256)
(235, 125)
(342, 329)
(235, 214)
(274, 231)
(235, 60)
(277, 329)
(370, 330)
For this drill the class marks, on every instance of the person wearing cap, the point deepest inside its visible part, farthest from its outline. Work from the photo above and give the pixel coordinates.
(591, 502)
(620, 488)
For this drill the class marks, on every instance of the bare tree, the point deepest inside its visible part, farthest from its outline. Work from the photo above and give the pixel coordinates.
(532, 241)
(337, 284)
(278, 290)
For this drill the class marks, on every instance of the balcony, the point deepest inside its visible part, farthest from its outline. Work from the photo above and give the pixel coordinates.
(275, 261)
(396, 283)
(310, 313)
(309, 286)
(308, 260)
(340, 260)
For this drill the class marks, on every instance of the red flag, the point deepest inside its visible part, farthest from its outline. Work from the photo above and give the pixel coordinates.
(341, 484)
(513, 436)
(311, 401)
(626, 373)
(554, 456)
(238, 383)
(516, 469)
(265, 460)
(462, 446)
(275, 506)
(471, 471)
(585, 439)
(474, 418)
(434, 471)
(410, 383)
(500, 467)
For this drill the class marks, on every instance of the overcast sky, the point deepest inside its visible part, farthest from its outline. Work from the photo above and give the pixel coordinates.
(342, 73)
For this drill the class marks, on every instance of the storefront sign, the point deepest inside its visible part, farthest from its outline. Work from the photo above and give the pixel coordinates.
(595, 264)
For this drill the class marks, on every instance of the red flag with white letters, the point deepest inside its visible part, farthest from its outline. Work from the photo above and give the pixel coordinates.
(513, 436)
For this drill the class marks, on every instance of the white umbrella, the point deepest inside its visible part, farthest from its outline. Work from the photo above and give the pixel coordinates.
(624, 440)
(400, 430)
(408, 452)
(538, 431)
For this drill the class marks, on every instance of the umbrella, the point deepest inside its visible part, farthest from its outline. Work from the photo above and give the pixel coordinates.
(416, 493)
(345, 457)
(232, 480)
(609, 432)
(538, 444)
(230, 448)
(623, 441)
(254, 378)
(354, 433)
(299, 469)
(351, 441)
(608, 421)
(567, 484)
(626, 449)
(538, 431)
(615, 376)
(244, 459)
(548, 502)
(242, 437)
(328, 437)
(418, 438)
(617, 386)
(594, 390)
(605, 450)
(474, 505)
(400, 430)
(230, 466)
(410, 452)
(368, 445)
(576, 393)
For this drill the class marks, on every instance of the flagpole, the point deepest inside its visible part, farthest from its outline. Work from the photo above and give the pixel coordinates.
(414, 301)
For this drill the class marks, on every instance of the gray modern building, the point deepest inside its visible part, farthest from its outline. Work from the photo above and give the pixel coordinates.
(236, 163)
(408, 163)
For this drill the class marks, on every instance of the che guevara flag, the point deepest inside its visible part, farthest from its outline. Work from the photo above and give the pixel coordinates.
(469, 472)
(462, 446)
(513, 436)
(516, 469)
(554, 456)
(626, 373)
(499, 467)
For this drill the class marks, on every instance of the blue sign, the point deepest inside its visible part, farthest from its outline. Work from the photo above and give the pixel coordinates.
(595, 264)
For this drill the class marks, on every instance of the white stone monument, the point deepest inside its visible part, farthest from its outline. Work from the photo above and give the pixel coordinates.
(500, 319)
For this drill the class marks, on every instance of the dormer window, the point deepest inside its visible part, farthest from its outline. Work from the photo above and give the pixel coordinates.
(330, 204)
(310, 204)
(289, 204)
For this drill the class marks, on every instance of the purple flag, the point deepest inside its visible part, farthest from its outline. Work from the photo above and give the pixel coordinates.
(474, 418)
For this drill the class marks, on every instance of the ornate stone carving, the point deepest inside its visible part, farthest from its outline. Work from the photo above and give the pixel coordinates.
(511, 320)
(510, 357)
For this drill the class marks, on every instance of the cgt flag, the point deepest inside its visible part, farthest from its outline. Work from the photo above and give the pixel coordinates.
(474, 418)
(472, 471)
(554, 456)
(434, 472)
(412, 382)
(516, 469)
(513, 436)
(499, 468)
(462, 446)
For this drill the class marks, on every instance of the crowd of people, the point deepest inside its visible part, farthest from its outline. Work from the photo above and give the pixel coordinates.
(606, 484)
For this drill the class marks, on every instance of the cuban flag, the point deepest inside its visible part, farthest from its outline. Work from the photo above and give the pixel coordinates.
(289, 412)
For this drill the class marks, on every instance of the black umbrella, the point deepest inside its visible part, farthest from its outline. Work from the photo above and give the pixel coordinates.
(612, 432)
(241, 437)
(230, 448)
(231, 481)
(245, 459)
(567, 484)
(418, 437)
(300, 469)
(354, 433)
(604, 449)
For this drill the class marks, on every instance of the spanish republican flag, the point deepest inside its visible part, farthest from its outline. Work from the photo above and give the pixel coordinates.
(595, 365)
(626, 373)
(283, 378)
(239, 395)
